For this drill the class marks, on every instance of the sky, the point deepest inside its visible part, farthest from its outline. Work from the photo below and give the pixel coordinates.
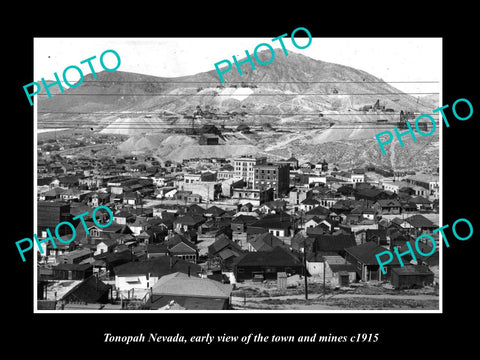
(391, 59)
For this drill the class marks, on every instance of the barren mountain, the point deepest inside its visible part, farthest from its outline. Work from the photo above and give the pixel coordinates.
(319, 106)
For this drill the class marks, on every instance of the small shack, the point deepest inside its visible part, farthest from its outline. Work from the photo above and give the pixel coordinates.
(410, 276)
(208, 139)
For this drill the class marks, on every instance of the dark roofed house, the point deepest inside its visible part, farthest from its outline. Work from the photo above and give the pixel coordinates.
(68, 181)
(108, 261)
(75, 256)
(389, 206)
(72, 271)
(277, 224)
(421, 203)
(208, 139)
(318, 211)
(184, 250)
(214, 211)
(91, 290)
(53, 193)
(420, 223)
(333, 243)
(50, 214)
(241, 222)
(316, 230)
(379, 236)
(264, 242)
(300, 241)
(373, 194)
(156, 250)
(188, 222)
(397, 238)
(224, 243)
(424, 248)
(225, 250)
(365, 262)
(266, 264)
(309, 204)
(195, 209)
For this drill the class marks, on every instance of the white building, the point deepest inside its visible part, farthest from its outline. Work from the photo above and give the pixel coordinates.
(244, 167)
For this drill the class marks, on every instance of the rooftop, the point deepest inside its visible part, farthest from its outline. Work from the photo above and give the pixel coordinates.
(180, 284)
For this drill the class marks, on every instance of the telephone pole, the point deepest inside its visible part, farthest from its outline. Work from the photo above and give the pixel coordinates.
(305, 268)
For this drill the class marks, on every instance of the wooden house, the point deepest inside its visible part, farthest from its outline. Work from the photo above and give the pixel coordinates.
(267, 264)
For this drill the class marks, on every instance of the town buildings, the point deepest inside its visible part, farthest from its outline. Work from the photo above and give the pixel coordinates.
(182, 231)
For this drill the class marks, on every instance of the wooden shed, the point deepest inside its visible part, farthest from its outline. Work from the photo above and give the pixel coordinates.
(410, 276)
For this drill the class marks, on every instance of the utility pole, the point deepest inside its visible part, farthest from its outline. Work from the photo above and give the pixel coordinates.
(305, 268)
(324, 270)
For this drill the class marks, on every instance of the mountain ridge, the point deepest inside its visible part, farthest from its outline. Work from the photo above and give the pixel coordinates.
(320, 105)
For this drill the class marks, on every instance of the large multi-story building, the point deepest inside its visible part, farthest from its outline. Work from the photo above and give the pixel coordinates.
(428, 182)
(275, 176)
(243, 168)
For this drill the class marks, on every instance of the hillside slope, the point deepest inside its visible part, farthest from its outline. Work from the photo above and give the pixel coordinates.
(318, 105)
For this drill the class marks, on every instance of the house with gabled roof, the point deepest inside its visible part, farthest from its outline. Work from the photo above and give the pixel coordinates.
(131, 198)
(400, 223)
(72, 271)
(265, 265)
(277, 224)
(144, 274)
(365, 262)
(190, 293)
(388, 206)
(182, 248)
(315, 231)
(332, 243)
(411, 276)
(188, 222)
(226, 251)
(331, 268)
(421, 203)
(195, 209)
(214, 212)
(313, 222)
(105, 245)
(94, 233)
(264, 242)
(89, 291)
(52, 194)
(421, 223)
(273, 207)
(301, 241)
(308, 204)
(379, 236)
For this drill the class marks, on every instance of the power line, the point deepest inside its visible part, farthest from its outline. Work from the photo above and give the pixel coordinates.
(158, 113)
(187, 127)
(249, 95)
(254, 82)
